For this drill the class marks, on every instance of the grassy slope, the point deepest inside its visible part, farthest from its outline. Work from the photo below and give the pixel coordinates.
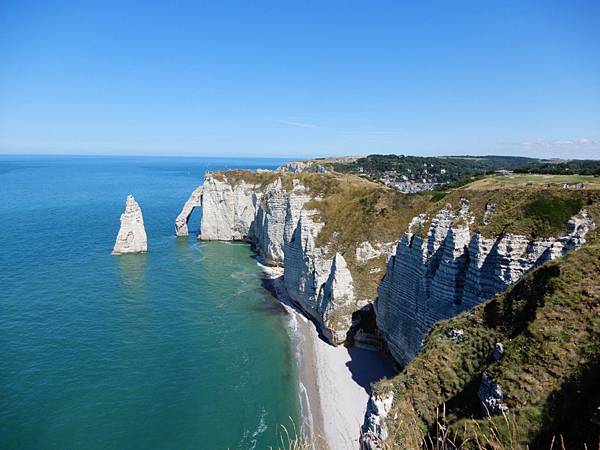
(549, 324)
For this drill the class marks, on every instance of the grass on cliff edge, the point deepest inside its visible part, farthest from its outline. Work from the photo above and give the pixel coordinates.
(533, 212)
(549, 324)
(354, 210)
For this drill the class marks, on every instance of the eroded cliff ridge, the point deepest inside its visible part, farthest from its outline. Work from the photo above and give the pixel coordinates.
(132, 234)
(194, 201)
(454, 268)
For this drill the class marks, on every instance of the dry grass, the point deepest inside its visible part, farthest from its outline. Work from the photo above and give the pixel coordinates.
(502, 434)
(294, 438)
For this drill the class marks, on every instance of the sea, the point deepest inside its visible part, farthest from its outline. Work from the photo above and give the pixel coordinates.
(180, 348)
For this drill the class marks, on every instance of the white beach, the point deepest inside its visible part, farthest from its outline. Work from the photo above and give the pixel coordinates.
(334, 381)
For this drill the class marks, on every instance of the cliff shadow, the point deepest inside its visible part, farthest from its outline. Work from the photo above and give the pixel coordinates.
(368, 367)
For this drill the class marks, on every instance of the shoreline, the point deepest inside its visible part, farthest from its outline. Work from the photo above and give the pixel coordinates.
(334, 382)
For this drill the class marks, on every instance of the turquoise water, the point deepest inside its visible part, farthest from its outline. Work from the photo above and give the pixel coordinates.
(181, 348)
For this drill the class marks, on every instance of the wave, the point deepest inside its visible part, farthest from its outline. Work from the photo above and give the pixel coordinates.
(250, 439)
(297, 338)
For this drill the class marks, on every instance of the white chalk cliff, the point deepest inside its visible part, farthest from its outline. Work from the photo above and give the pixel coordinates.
(132, 234)
(282, 230)
(451, 270)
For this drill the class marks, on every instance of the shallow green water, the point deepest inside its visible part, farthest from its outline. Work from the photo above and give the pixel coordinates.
(179, 348)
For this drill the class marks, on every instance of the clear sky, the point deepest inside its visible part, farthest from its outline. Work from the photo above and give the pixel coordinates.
(299, 78)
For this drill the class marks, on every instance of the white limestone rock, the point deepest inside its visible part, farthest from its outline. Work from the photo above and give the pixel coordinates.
(374, 431)
(491, 397)
(132, 234)
(306, 267)
(456, 334)
(228, 211)
(365, 252)
(498, 352)
(194, 201)
(453, 270)
(335, 297)
(295, 167)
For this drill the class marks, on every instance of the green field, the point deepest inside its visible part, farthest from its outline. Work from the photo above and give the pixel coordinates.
(523, 180)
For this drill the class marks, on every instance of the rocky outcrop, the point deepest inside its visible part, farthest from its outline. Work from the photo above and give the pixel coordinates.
(365, 251)
(374, 431)
(195, 201)
(452, 269)
(336, 299)
(295, 166)
(491, 397)
(132, 234)
(270, 223)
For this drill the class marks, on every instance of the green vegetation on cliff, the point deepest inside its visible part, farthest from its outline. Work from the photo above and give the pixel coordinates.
(549, 325)
(534, 212)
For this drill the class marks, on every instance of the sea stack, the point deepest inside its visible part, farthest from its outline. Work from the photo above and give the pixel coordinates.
(132, 234)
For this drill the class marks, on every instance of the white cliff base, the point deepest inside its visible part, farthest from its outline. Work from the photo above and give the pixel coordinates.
(132, 234)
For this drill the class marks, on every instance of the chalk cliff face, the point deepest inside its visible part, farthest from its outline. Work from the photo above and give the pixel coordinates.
(275, 220)
(451, 270)
(132, 234)
(322, 286)
(228, 211)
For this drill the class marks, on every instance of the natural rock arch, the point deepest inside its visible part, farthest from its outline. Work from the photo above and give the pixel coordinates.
(195, 201)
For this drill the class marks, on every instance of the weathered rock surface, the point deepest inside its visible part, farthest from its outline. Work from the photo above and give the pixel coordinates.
(491, 397)
(132, 234)
(365, 251)
(295, 166)
(451, 270)
(228, 211)
(195, 201)
(374, 431)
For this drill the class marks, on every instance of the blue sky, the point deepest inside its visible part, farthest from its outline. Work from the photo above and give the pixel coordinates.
(300, 78)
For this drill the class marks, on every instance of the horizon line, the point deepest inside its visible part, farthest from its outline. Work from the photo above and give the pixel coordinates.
(290, 157)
